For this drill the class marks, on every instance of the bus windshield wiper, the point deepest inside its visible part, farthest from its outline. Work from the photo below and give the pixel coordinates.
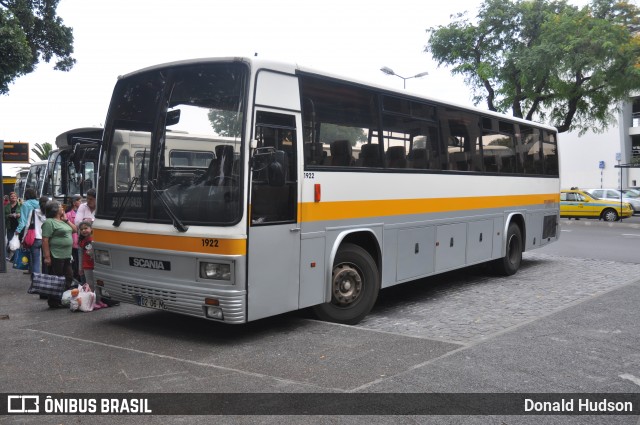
(118, 218)
(177, 223)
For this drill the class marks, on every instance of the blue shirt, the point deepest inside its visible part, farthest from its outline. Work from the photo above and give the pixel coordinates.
(27, 206)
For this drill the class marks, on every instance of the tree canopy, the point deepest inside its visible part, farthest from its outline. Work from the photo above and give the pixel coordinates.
(30, 32)
(546, 60)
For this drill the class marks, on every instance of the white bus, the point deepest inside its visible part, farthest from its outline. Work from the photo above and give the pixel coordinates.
(185, 154)
(36, 177)
(21, 182)
(326, 191)
(72, 168)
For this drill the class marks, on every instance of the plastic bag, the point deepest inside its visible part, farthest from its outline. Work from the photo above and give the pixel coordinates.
(21, 259)
(14, 244)
(82, 299)
(66, 298)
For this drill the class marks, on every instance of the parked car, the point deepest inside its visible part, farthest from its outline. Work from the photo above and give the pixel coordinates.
(631, 193)
(614, 195)
(579, 204)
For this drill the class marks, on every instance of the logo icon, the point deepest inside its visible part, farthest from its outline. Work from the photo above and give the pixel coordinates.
(23, 404)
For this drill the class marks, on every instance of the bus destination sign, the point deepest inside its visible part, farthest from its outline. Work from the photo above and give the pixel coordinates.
(15, 152)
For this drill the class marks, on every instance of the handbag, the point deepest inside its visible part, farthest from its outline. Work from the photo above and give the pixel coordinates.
(21, 259)
(46, 284)
(30, 235)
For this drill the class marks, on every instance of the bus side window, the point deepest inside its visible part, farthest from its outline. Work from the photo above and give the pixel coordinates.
(370, 155)
(462, 131)
(341, 153)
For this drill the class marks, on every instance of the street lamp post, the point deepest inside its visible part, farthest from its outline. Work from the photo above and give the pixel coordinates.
(390, 71)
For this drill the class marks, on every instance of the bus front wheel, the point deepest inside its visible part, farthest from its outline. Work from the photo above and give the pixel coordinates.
(355, 283)
(510, 263)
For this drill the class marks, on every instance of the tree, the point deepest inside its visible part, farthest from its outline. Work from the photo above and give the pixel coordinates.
(42, 150)
(225, 123)
(31, 32)
(546, 60)
(331, 132)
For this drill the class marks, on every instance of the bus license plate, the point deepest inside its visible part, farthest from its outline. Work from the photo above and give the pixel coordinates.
(150, 302)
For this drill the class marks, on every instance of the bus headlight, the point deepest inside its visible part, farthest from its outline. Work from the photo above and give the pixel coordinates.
(102, 256)
(216, 271)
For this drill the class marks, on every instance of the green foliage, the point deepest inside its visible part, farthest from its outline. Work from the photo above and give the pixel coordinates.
(42, 150)
(546, 60)
(225, 123)
(31, 32)
(331, 132)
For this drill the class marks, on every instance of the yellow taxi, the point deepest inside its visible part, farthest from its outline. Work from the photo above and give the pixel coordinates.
(577, 203)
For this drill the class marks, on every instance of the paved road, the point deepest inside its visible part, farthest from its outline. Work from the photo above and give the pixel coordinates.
(598, 240)
(561, 324)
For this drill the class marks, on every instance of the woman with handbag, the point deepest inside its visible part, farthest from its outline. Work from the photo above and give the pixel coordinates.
(33, 236)
(31, 203)
(57, 244)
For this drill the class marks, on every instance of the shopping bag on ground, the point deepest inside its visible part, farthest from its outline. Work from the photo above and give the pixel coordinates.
(82, 299)
(46, 284)
(66, 298)
(21, 259)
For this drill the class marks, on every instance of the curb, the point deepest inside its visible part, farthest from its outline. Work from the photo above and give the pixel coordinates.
(599, 223)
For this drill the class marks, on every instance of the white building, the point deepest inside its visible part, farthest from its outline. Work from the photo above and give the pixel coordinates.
(589, 161)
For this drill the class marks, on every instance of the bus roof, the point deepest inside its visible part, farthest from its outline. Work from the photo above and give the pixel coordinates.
(72, 137)
(257, 63)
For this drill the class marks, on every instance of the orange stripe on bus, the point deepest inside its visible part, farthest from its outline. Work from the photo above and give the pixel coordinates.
(172, 243)
(344, 210)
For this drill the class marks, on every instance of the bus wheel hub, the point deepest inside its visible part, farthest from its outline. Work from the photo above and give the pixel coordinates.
(347, 285)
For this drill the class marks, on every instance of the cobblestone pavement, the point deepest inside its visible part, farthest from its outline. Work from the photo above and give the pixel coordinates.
(471, 305)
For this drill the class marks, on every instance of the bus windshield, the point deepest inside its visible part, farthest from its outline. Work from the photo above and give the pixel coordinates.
(173, 145)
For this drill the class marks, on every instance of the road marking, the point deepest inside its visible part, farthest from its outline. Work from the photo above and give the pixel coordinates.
(631, 234)
(150, 376)
(631, 378)
(187, 361)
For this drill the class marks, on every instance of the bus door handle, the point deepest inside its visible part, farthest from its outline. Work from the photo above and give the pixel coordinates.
(295, 229)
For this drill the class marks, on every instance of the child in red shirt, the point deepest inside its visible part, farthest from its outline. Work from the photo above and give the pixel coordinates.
(85, 244)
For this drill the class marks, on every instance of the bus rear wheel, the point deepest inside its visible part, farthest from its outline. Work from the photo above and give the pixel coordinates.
(355, 283)
(510, 263)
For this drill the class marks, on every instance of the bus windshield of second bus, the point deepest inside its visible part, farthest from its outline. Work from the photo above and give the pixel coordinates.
(21, 182)
(72, 168)
(36, 177)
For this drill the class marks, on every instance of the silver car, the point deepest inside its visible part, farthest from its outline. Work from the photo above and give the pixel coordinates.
(614, 195)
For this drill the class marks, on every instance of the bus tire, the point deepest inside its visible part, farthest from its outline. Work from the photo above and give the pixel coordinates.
(510, 263)
(355, 283)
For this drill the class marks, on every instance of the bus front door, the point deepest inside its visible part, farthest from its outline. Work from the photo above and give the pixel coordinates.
(274, 231)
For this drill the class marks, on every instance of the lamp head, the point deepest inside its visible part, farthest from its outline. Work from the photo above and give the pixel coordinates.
(387, 70)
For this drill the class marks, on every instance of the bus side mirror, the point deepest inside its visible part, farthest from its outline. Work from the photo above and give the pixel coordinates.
(173, 117)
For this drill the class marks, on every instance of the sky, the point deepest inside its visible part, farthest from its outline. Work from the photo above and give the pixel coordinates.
(353, 38)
